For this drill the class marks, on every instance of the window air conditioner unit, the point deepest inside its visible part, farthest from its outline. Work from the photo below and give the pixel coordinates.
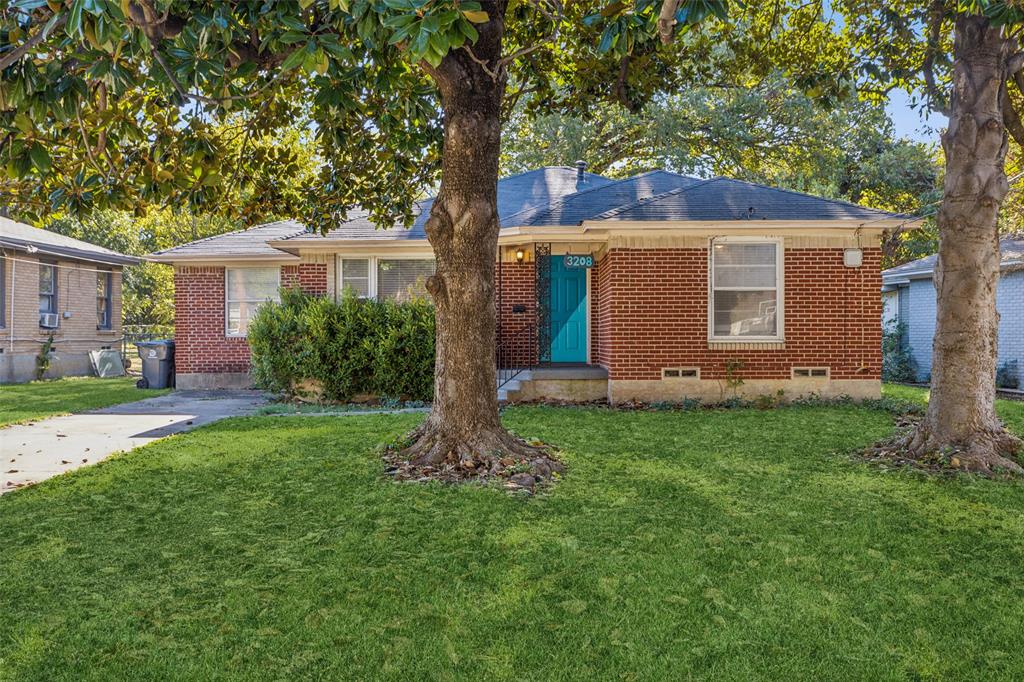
(49, 320)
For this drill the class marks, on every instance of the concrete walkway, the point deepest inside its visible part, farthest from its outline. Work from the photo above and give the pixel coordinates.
(34, 452)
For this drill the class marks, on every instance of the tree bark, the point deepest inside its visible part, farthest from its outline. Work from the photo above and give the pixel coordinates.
(464, 427)
(961, 418)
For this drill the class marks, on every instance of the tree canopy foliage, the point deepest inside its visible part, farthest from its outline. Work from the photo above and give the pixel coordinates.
(771, 133)
(148, 288)
(128, 103)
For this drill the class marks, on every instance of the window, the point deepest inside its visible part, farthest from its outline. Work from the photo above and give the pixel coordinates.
(746, 286)
(680, 373)
(246, 289)
(104, 299)
(397, 279)
(809, 372)
(403, 279)
(47, 294)
(355, 275)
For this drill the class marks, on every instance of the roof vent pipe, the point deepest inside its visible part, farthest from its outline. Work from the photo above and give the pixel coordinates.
(581, 169)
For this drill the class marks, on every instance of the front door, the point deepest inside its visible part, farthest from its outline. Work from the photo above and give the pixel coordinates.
(568, 312)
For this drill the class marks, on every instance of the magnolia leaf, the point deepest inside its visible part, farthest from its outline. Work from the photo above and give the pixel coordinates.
(476, 16)
(40, 157)
(293, 60)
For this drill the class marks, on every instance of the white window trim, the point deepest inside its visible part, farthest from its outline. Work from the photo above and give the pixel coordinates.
(779, 290)
(228, 301)
(371, 284)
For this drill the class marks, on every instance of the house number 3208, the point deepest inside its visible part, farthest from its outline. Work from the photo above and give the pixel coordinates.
(577, 261)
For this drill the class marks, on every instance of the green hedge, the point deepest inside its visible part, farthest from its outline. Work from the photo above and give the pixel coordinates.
(352, 347)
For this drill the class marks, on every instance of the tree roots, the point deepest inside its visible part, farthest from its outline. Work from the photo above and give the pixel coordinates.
(990, 452)
(488, 455)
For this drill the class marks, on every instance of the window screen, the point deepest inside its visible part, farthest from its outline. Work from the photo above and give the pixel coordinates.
(246, 289)
(745, 290)
(103, 299)
(47, 288)
(403, 279)
(355, 276)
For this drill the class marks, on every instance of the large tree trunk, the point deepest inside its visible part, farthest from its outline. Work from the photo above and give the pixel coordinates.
(463, 430)
(961, 416)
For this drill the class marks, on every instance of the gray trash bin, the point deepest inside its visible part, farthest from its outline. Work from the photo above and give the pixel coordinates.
(157, 363)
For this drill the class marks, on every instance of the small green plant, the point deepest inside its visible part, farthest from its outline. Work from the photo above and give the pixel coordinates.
(1007, 375)
(897, 360)
(690, 404)
(733, 379)
(43, 358)
(768, 402)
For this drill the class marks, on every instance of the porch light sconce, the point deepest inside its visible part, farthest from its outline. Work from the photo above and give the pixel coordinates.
(853, 258)
(520, 255)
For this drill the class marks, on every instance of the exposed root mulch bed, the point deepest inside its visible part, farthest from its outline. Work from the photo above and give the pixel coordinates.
(892, 453)
(516, 474)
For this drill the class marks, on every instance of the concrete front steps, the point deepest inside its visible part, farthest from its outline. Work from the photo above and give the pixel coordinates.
(573, 383)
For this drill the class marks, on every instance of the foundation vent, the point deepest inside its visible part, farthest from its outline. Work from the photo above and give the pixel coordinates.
(680, 373)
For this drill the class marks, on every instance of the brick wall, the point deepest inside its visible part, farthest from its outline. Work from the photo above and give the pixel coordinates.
(517, 336)
(601, 310)
(648, 311)
(653, 307)
(76, 298)
(201, 344)
(310, 277)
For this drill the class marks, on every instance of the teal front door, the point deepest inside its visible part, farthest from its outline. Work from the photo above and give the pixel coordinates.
(568, 312)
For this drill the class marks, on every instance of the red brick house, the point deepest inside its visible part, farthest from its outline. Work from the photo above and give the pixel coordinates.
(656, 287)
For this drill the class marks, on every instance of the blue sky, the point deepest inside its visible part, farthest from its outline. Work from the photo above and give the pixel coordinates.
(908, 121)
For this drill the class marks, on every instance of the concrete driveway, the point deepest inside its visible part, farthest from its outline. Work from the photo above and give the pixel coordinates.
(30, 453)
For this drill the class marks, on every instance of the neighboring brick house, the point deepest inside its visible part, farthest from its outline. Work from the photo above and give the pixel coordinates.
(908, 293)
(52, 284)
(655, 287)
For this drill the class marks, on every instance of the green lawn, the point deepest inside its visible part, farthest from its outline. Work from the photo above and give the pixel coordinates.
(731, 545)
(1010, 411)
(39, 399)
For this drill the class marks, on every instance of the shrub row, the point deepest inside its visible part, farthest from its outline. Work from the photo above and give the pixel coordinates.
(353, 347)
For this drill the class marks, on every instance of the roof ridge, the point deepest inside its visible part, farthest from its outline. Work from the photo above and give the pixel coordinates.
(813, 196)
(640, 202)
(225, 234)
(560, 202)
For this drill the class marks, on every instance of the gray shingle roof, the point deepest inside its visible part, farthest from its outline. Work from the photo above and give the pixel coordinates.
(22, 237)
(1011, 251)
(250, 243)
(575, 208)
(550, 197)
(721, 199)
(516, 193)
